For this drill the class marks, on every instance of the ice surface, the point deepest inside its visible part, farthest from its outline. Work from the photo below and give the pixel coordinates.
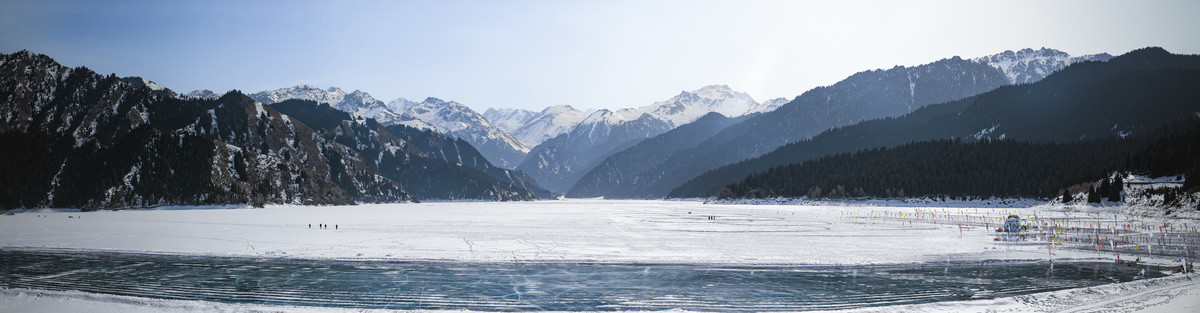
(1179, 293)
(602, 231)
(568, 230)
(545, 286)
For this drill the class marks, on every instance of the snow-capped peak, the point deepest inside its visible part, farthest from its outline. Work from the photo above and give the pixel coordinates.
(532, 128)
(604, 116)
(400, 104)
(357, 102)
(142, 82)
(509, 120)
(773, 104)
(455, 119)
(1028, 65)
(691, 105)
(361, 99)
(202, 94)
(716, 92)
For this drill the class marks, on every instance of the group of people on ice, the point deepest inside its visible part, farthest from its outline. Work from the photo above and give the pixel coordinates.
(324, 226)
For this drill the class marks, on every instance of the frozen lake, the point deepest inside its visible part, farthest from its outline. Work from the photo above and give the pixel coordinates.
(544, 286)
(571, 255)
(588, 231)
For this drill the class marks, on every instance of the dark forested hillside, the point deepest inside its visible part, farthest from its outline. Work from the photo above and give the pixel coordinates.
(1130, 94)
(623, 174)
(46, 169)
(978, 169)
(78, 139)
(862, 96)
(429, 165)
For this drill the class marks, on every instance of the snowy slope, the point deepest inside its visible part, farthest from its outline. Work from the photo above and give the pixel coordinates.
(548, 123)
(142, 82)
(202, 94)
(446, 117)
(559, 162)
(400, 104)
(691, 105)
(771, 105)
(533, 128)
(457, 120)
(357, 102)
(507, 119)
(1028, 65)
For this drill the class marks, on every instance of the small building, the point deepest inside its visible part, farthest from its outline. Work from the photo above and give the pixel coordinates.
(1012, 224)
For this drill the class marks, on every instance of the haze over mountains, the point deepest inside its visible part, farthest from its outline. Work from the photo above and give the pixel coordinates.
(304, 144)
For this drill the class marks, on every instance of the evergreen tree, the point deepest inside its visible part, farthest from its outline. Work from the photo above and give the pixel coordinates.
(1118, 185)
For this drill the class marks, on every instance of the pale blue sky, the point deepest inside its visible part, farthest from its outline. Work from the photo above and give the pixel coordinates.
(589, 54)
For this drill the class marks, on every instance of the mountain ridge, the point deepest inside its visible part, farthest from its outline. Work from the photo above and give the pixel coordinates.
(862, 96)
(1063, 107)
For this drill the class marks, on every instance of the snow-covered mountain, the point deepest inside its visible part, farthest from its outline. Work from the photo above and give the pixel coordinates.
(400, 104)
(559, 161)
(135, 147)
(446, 117)
(435, 166)
(202, 94)
(142, 82)
(863, 96)
(1028, 65)
(773, 104)
(1128, 94)
(611, 177)
(358, 103)
(691, 105)
(533, 128)
(508, 119)
(457, 120)
(84, 140)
